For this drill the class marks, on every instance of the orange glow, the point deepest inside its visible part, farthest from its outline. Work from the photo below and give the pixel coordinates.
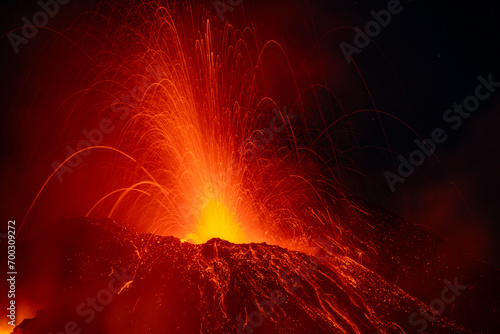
(24, 310)
(217, 221)
(189, 140)
(195, 128)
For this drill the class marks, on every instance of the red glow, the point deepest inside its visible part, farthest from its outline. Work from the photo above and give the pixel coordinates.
(173, 151)
(172, 124)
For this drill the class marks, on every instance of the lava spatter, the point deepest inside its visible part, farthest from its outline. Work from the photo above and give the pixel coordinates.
(215, 287)
(215, 221)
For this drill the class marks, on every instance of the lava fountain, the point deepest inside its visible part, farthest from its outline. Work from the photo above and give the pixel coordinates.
(199, 147)
(193, 143)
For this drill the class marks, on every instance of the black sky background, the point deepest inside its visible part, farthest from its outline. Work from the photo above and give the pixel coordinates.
(426, 60)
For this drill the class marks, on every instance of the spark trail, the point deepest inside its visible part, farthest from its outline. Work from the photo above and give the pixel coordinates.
(189, 92)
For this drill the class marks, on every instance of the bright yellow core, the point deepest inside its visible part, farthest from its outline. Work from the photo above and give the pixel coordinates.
(217, 221)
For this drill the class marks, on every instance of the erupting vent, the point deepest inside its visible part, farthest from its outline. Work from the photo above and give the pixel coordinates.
(217, 221)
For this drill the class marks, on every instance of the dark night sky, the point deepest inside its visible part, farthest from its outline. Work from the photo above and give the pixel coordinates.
(427, 59)
(424, 61)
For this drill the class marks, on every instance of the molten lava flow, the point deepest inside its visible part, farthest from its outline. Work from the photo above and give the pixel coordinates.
(180, 288)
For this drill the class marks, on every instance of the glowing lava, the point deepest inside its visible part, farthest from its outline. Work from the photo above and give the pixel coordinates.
(217, 221)
(192, 99)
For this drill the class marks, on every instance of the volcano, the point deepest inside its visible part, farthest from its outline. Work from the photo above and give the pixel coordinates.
(100, 276)
(206, 165)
